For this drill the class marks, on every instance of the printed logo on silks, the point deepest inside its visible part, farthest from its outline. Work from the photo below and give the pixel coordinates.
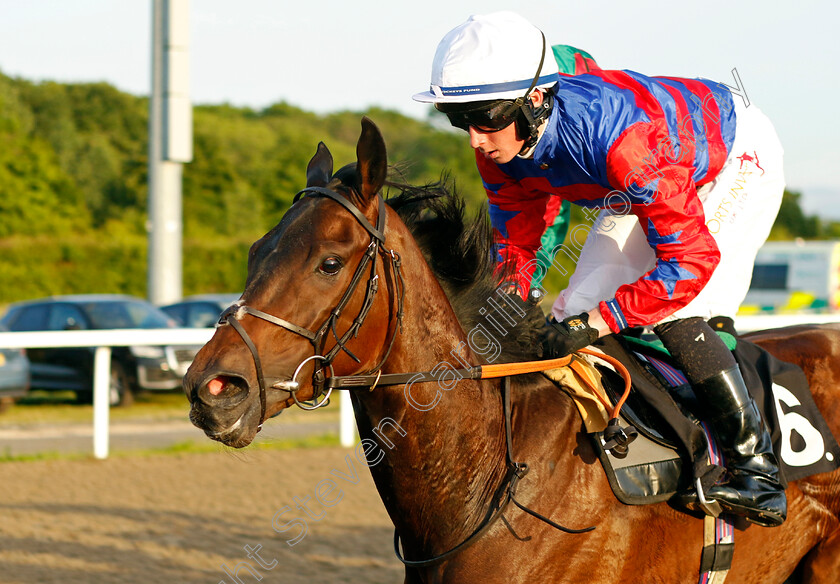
(747, 158)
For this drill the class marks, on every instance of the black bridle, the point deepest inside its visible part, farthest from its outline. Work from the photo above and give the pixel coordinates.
(515, 470)
(375, 249)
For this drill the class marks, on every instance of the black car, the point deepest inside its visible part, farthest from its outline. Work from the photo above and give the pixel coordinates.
(200, 311)
(14, 374)
(132, 368)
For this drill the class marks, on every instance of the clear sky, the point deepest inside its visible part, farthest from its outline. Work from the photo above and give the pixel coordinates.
(332, 55)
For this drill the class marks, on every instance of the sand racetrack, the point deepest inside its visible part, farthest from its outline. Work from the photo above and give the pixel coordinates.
(179, 518)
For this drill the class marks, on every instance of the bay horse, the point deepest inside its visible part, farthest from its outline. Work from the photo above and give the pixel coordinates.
(311, 290)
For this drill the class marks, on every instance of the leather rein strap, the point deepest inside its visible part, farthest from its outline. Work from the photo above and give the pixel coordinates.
(371, 381)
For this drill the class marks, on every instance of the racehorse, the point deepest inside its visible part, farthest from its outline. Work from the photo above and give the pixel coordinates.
(444, 465)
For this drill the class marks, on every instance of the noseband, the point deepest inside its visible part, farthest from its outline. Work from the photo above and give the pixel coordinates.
(376, 248)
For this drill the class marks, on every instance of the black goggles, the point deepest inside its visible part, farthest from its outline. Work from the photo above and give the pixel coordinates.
(486, 118)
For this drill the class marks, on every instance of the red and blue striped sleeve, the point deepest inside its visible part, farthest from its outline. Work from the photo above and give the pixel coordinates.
(663, 195)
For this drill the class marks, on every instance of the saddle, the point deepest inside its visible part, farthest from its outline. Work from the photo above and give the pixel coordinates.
(674, 448)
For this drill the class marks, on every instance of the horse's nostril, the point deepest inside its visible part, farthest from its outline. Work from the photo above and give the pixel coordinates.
(224, 390)
(216, 385)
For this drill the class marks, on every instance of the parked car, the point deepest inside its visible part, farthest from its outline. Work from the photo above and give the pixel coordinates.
(14, 374)
(132, 368)
(200, 311)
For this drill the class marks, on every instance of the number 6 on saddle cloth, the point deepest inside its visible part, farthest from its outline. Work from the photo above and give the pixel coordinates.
(671, 452)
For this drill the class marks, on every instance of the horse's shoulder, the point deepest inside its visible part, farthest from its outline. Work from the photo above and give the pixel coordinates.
(548, 433)
(544, 408)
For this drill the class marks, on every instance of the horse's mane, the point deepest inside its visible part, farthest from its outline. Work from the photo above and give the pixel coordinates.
(460, 252)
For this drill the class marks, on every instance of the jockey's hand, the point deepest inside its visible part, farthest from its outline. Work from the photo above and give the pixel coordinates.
(573, 333)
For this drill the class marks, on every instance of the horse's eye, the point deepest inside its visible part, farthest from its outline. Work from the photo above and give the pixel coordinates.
(330, 266)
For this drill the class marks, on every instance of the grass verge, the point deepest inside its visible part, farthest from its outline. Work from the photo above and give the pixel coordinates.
(60, 407)
(186, 447)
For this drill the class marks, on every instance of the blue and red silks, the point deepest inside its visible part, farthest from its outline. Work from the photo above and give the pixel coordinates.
(634, 144)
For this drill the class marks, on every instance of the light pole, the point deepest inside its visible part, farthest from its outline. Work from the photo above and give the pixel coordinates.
(170, 145)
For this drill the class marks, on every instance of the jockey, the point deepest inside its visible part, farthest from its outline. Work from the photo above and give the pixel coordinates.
(686, 181)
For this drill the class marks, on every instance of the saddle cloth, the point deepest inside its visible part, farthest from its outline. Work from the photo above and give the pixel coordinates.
(671, 448)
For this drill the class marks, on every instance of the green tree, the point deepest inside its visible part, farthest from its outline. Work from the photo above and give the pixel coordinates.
(73, 186)
(792, 222)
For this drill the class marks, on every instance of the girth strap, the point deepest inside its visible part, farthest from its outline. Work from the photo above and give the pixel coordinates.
(718, 548)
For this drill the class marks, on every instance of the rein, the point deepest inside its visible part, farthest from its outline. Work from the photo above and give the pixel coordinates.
(515, 470)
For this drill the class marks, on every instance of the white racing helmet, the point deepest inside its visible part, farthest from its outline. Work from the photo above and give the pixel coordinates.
(490, 57)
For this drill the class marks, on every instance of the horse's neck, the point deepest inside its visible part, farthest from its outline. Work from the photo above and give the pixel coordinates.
(443, 441)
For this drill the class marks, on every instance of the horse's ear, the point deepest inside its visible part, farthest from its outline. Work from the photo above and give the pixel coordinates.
(319, 171)
(372, 161)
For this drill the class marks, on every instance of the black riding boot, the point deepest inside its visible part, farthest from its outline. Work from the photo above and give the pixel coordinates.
(751, 485)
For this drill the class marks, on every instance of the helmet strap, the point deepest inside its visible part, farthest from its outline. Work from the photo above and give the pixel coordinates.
(520, 101)
(527, 119)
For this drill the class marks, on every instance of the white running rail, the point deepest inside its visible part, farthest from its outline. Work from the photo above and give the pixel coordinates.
(103, 340)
